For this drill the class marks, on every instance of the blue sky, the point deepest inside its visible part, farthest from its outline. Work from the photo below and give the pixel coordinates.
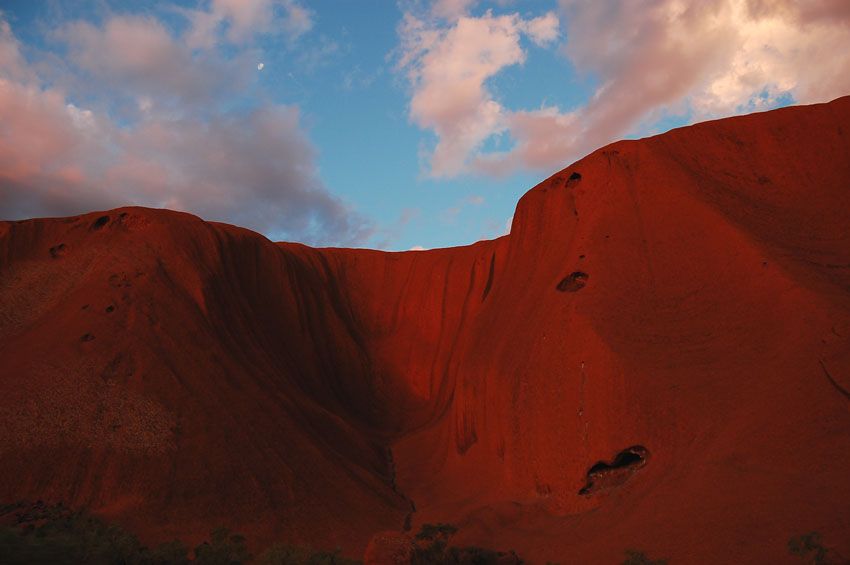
(373, 124)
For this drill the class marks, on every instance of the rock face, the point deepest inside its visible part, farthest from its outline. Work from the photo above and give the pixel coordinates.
(657, 357)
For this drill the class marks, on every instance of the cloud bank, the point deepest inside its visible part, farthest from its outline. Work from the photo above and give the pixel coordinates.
(650, 58)
(167, 123)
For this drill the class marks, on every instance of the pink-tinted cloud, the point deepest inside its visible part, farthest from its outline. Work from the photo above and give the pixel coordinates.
(450, 10)
(447, 68)
(253, 167)
(135, 54)
(239, 20)
(651, 58)
(12, 63)
(717, 57)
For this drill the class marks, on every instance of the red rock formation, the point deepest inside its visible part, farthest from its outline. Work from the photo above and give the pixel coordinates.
(657, 358)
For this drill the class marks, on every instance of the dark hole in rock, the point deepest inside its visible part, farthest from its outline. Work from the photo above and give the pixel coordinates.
(123, 215)
(604, 476)
(100, 222)
(574, 282)
(575, 176)
(85, 306)
(601, 466)
(58, 250)
(87, 337)
(581, 256)
(630, 456)
(110, 308)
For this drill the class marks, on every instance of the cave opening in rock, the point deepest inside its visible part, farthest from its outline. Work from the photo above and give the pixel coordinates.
(603, 475)
(574, 282)
(630, 456)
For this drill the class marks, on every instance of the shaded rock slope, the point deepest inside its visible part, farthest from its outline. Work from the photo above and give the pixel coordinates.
(657, 357)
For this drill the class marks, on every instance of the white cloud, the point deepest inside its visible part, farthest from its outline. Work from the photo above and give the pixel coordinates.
(651, 58)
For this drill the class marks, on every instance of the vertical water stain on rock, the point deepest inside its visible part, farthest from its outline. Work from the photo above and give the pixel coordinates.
(489, 277)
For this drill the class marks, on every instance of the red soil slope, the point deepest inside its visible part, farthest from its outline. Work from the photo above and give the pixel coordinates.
(657, 357)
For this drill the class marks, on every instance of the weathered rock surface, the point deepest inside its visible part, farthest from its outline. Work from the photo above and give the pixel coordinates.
(688, 294)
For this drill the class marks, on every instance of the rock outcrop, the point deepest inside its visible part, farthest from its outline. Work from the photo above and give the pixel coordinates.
(657, 357)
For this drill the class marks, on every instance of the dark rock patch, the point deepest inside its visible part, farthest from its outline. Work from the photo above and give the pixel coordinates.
(59, 250)
(574, 282)
(99, 223)
(604, 476)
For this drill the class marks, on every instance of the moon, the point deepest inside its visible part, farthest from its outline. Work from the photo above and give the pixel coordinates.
(260, 67)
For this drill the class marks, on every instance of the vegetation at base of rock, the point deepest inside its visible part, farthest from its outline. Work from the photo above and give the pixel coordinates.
(639, 558)
(809, 547)
(432, 548)
(286, 554)
(40, 533)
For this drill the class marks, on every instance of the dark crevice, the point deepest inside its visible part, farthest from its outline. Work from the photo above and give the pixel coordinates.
(837, 386)
(490, 277)
(408, 519)
(574, 282)
(604, 475)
